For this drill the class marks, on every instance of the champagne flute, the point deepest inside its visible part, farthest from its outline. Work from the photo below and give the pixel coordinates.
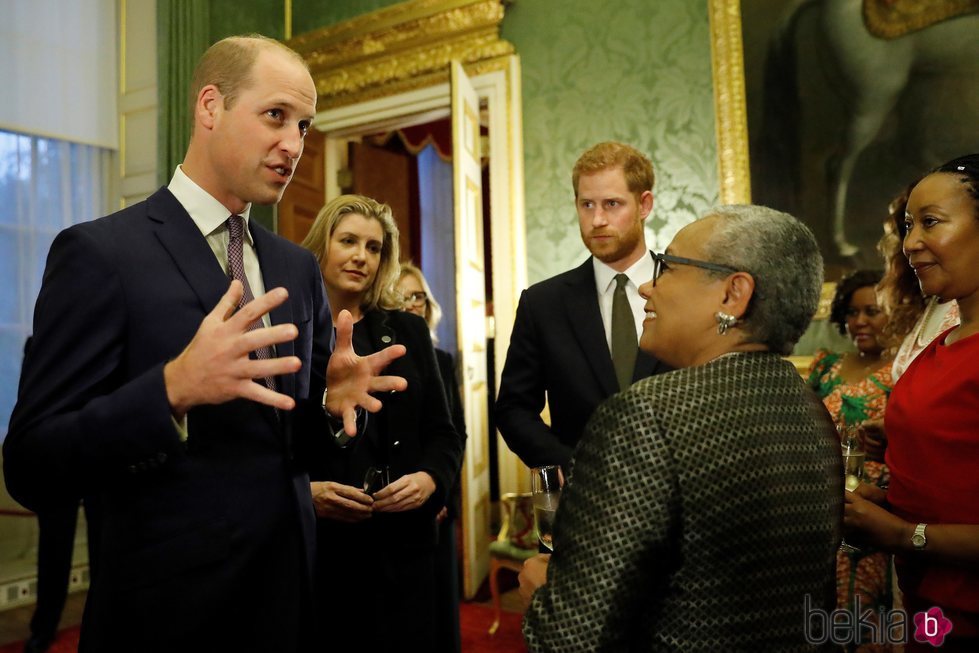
(853, 459)
(545, 483)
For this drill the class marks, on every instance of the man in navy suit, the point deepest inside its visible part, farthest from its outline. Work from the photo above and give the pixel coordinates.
(180, 408)
(562, 344)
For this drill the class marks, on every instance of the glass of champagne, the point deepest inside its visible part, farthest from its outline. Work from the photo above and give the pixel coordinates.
(545, 483)
(853, 459)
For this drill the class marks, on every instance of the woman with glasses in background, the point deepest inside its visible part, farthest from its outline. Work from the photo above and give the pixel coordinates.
(418, 299)
(377, 497)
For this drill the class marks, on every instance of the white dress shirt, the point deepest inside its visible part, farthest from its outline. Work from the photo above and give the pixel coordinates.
(211, 218)
(640, 272)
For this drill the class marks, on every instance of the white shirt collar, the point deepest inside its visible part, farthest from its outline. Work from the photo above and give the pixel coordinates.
(207, 213)
(639, 273)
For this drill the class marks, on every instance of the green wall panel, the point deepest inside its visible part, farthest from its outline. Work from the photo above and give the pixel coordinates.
(233, 17)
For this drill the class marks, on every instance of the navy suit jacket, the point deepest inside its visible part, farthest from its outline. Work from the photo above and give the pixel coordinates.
(200, 541)
(558, 349)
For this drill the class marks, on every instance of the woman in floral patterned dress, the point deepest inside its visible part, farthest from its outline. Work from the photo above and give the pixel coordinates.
(854, 387)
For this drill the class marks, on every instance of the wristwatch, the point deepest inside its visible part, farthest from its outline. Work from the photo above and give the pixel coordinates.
(918, 540)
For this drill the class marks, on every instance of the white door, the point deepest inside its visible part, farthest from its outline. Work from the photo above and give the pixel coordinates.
(471, 321)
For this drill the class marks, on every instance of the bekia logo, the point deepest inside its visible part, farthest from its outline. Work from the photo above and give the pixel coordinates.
(931, 626)
(858, 625)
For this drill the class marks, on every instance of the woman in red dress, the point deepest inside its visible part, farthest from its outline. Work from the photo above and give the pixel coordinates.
(929, 516)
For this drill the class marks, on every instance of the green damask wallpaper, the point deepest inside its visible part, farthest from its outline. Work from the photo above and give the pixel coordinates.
(634, 71)
(631, 70)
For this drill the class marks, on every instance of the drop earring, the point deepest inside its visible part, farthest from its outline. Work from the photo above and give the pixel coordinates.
(724, 321)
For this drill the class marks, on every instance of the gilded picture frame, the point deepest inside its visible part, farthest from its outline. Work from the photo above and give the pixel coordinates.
(827, 110)
(731, 119)
(731, 124)
(825, 174)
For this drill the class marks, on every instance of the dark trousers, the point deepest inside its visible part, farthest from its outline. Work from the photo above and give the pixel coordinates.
(56, 542)
(447, 590)
(375, 597)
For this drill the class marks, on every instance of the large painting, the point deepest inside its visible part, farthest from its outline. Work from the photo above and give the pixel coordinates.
(842, 103)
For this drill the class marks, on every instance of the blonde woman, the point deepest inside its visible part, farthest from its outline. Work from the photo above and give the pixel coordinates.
(377, 498)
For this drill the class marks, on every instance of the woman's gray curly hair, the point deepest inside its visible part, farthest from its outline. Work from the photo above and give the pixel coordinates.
(782, 256)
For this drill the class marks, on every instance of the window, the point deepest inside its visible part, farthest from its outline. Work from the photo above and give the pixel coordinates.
(45, 186)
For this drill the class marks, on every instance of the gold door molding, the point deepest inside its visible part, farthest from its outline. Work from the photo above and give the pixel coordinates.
(401, 48)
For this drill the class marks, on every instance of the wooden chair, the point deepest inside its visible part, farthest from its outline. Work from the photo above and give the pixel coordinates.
(516, 541)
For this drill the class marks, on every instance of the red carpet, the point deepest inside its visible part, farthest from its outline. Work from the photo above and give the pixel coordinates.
(475, 620)
(66, 642)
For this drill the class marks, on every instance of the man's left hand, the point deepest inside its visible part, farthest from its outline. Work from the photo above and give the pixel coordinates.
(351, 378)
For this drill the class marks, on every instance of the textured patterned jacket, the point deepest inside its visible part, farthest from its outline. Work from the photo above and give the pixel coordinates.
(705, 504)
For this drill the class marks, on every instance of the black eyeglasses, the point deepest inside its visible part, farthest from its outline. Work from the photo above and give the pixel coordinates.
(416, 298)
(663, 261)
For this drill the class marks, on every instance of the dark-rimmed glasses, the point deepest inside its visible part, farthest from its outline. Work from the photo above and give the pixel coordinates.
(664, 261)
(416, 298)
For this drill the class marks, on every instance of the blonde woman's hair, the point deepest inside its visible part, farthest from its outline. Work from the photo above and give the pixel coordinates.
(433, 311)
(382, 293)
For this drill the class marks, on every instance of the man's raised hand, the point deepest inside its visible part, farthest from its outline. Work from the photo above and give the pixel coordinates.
(215, 367)
(351, 378)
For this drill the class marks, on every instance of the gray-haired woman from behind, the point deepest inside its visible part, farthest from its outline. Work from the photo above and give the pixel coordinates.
(703, 510)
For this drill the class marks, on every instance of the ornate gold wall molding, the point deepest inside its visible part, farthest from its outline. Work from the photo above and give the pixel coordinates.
(731, 119)
(403, 47)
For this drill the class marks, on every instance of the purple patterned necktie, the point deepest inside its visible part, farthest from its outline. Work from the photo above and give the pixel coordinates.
(236, 269)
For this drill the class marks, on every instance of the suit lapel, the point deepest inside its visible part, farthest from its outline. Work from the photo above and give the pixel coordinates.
(189, 250)
(581, 298)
